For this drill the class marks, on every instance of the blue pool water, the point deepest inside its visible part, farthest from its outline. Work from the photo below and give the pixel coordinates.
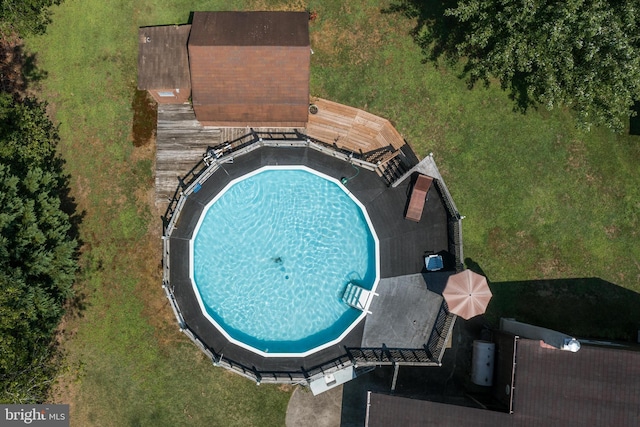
(272, 256)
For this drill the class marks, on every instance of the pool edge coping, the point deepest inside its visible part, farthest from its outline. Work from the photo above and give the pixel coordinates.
(353, 324)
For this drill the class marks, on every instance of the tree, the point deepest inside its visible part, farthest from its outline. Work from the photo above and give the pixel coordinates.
(584, 54)
(25, 17)
(37, 250)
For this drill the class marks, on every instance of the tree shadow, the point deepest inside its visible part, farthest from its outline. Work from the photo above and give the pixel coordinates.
(519, 93)
(76, 303)
(67, 202)
(587, 307)
(438, 35)
(30, 70)
(18, 69)
(634, 122)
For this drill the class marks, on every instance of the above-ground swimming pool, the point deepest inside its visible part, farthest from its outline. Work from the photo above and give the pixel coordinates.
(271, 256)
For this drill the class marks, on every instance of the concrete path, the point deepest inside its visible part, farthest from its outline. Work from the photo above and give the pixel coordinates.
(323, 410)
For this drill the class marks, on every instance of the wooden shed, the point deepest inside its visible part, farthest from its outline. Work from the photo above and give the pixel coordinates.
(250, 68)
(163, 63)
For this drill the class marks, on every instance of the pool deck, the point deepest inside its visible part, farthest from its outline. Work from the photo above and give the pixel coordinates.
(351, 128)
(394, 320)
(181, 140)
(404, 312)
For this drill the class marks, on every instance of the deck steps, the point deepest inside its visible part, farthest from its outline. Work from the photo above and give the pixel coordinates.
(393, 170)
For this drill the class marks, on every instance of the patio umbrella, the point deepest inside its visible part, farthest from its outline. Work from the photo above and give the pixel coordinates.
(467, 294)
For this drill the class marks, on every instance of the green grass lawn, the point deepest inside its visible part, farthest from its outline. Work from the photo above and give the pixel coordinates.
(542, 200)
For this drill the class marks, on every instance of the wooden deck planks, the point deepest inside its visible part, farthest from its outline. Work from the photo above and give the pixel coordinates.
(351, 128)
(180, 143)
(391, 136)
(181, 140)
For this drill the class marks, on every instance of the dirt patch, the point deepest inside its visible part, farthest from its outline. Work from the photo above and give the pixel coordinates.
(18, 71)
(145, 117)
(577, 152)
(577, 162)
(525, 240)
(497, 239)
(144, 157)
(287, 388)
(11, 63)
(611, 231)
(144, 152)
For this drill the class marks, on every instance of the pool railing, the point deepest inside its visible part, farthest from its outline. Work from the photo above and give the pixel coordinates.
(362, 358)
(243, 145)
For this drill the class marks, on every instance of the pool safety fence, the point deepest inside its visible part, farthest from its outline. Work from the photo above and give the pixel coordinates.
(428, 166)
(253, 140)
(281, 377)
(166, 285)
(191, 183)
(441, 333)
(455, 241)
(454, 221)
(376, 356)
(357, 357)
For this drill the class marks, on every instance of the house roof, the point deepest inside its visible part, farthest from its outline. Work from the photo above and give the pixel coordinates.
(250, 69)
(595, 387)
(162, 57)
(250, 29)
(388, 410)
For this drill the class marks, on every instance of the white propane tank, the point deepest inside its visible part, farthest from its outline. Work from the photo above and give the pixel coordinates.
(482, 363)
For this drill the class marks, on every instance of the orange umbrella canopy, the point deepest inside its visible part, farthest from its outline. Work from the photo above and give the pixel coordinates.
(467, 294)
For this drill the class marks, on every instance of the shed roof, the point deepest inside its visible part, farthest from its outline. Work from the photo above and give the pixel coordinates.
(250, 29)
(250, 68)
(163, 62)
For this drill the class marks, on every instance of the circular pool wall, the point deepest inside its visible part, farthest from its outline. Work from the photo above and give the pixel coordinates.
(271, 256)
